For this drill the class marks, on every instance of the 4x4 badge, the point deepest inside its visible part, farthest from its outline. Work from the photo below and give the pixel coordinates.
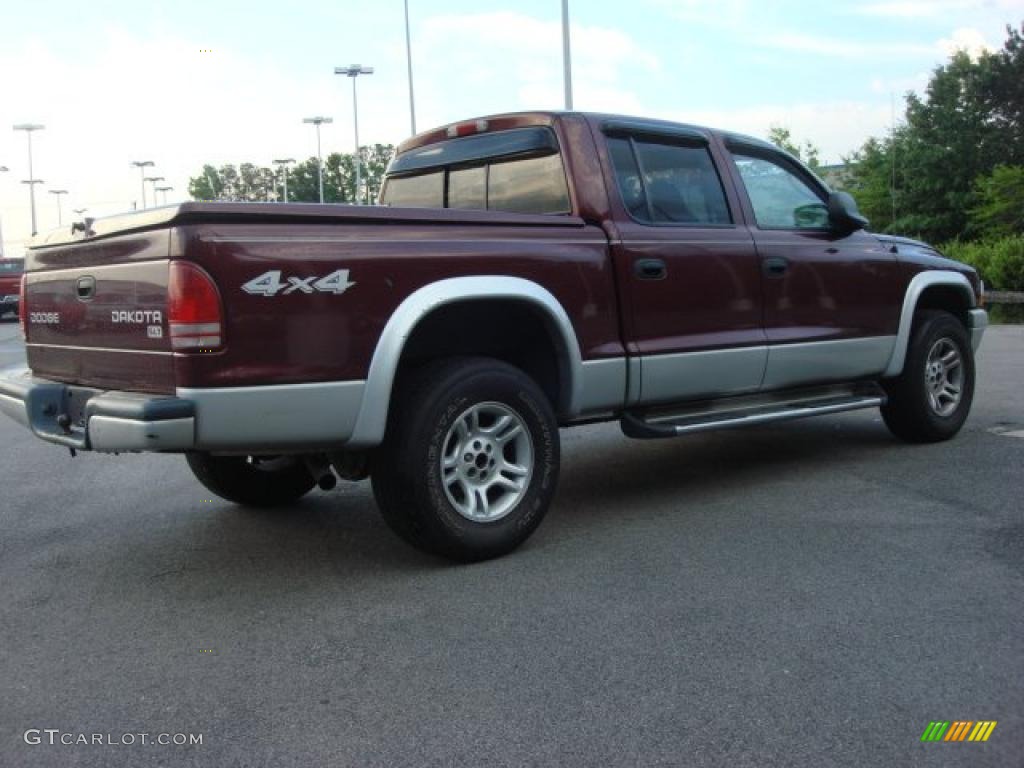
(271, 284)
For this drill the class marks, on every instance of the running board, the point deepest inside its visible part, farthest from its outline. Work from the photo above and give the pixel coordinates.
(743, 412)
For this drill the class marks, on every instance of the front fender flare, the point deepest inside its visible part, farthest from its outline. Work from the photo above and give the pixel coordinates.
(921, 282)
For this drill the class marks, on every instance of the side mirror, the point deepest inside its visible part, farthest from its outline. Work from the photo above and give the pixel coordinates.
(843, 213)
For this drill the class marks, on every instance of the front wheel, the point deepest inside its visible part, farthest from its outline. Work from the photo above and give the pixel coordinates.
(931, 399)
(469, 463)
(255, 481)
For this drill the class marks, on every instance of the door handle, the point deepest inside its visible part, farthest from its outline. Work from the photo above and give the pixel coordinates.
(650, 269)
(775, 266)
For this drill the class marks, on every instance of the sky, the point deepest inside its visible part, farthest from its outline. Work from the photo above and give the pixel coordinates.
(225, 81)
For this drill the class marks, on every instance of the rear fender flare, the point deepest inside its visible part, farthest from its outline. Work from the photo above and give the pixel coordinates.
(373, 413)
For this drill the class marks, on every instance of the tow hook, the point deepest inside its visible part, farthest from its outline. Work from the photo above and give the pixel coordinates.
(320, 469)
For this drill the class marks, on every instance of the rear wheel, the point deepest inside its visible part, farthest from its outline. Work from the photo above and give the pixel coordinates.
(255, 481)
(931, 399)
(469, 464)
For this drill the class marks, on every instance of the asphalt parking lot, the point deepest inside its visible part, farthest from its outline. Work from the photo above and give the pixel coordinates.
(812, 593)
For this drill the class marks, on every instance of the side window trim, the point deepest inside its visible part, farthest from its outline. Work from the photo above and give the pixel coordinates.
(676, 140)
(643, 183)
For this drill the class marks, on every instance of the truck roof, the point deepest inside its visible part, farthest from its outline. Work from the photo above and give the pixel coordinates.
(511, 120)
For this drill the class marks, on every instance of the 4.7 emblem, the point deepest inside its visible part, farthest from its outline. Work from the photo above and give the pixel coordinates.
(271, 283)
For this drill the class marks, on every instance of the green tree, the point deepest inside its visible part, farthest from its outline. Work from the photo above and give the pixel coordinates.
(253, 183)
(1000, 203)
(969, 120)
(872, 178)
(208, 185)
(375, 162)
(948, 143)
(782, 137)
(1005, 93)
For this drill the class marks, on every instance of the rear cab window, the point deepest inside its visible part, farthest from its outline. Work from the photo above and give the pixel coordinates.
(12, 266)
(519, 170)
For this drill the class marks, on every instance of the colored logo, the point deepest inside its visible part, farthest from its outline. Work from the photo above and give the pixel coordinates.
(958, 730)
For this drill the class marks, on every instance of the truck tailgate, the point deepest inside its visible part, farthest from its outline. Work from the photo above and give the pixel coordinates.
(103, 321)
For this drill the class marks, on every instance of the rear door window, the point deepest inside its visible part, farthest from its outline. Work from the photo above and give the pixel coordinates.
(668, 183)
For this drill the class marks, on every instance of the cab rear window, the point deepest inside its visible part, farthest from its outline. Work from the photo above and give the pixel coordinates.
(533, 184)
(12, 266)
(423, 191)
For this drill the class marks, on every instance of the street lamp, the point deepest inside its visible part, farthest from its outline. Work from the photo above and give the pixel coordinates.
(566, 55)
(58, 193)
(353, 71)
(29, 128)
(408, 59)
(79, 211)
(142, 165)
(318, 121)
(153, 180)
(283, 164)
(165, 190)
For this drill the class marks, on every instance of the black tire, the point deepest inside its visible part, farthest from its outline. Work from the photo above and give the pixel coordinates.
(252, 481)
(909, 412)
(413, 495)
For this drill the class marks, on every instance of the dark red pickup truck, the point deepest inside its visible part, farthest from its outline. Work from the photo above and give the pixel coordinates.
(11, 271)
(526, 272)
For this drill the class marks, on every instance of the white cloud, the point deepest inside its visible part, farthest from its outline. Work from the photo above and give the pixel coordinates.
(507, 61)
(904, 10)
(716, 13)
(965, 39)
(820, 45)
(900, 85)
(161, 98)
(836, 128)
(936, 9)
(158, 97)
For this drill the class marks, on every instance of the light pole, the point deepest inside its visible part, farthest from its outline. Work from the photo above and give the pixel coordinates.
(283, 164)
(408, 58)
(32, 195)
(165, 190)
(58, 193)
(153, 180)
(318, 121)
(29, 128)
(353, 71)
(142, 165)
(79, 211)
(566, 55)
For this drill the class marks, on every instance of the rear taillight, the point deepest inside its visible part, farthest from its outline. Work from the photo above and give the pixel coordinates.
(22, 302)
(194, 312)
